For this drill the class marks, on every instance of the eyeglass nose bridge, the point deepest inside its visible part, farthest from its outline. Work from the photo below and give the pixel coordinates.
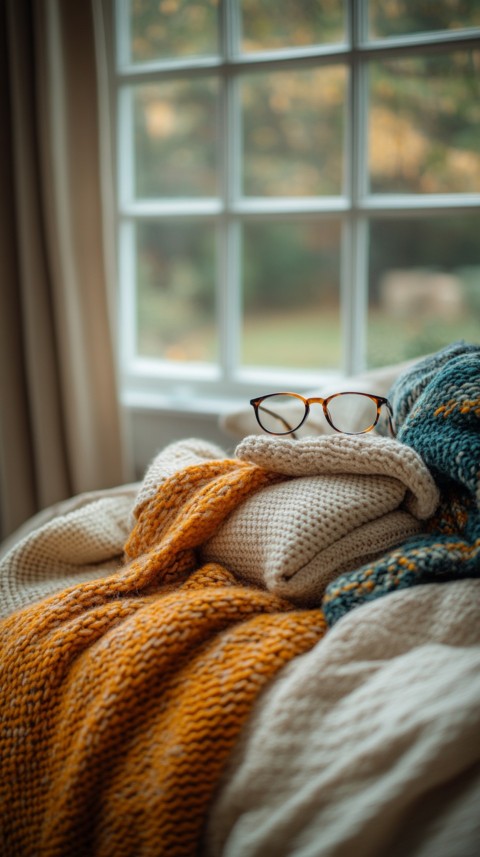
(315, 400)
(318, 400)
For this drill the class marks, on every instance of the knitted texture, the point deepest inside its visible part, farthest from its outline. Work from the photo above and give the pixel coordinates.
(412, 381)
(171, 459)
(81, 543)
(440, 420)
(343, 500)
(369, 743)
(123, 696)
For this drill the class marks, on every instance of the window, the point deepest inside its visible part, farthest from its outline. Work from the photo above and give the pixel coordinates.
(298, 189)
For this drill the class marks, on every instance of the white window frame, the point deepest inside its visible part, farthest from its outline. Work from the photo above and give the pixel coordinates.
(208, 388)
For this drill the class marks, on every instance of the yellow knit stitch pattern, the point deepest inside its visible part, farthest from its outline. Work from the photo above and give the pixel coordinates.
(464, 406)
(123, 697)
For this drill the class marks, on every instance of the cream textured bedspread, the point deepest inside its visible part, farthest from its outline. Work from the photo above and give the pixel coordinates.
(369, 744)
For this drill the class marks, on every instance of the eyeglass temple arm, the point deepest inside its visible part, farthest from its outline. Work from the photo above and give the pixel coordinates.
(276, 416)
(390, 418)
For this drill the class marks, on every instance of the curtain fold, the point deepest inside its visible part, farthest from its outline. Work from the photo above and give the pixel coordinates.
(61, 427)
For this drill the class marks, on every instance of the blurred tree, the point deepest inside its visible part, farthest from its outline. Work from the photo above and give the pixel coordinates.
(400, 17)
(163, 29)
(424, 121)
(270, 24)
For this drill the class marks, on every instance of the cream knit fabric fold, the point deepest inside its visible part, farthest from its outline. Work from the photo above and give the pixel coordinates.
(345, 501)
(339, 501)
(366, 454)
(77, 540)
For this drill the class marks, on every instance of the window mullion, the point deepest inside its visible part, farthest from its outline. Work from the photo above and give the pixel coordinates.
(229, 279)
(121, 15)
(127, 249)
(128, 294)
(125, 146)
(355, 236)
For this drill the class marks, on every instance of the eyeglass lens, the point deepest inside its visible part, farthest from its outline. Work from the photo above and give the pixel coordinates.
(281, 414)
(352, 413)
(349, 412)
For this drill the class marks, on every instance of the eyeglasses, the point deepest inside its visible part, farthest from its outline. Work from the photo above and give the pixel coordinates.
(347, 413)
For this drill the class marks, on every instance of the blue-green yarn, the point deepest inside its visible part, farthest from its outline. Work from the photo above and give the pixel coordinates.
(444, 427)
(438, 415)
(410, 385)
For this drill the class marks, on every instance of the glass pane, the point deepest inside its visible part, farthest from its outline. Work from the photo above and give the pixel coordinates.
(291, 294)
(424, 286)
(424, 124)
(172, 28)
(404, 17)
(176, 138)
(281, 414)
(269, 24)
(175, 291)
(293, 132)
(352, 413)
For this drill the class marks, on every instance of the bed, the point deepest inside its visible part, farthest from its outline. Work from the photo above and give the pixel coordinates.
(272, 653)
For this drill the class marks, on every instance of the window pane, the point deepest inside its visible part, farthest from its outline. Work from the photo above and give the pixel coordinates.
(293, 132)
(424, 124)
(402, 17)
(269, 24)
(175, 291)
(291, 294)
(176, 138)
(172, 28)
(424, 285)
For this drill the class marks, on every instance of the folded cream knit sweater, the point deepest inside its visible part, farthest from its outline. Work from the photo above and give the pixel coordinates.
(342, 501)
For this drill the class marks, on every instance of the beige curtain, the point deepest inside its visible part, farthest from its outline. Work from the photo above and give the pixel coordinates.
(60, 423)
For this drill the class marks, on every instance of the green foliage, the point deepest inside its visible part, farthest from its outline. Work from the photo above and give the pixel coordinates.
(291, 264)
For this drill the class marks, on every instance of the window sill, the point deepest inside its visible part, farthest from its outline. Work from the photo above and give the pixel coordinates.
(180, 403)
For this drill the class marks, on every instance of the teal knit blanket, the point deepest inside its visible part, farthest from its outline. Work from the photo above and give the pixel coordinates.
(437, 412)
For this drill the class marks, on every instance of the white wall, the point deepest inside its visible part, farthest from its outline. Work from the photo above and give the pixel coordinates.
(149, 431)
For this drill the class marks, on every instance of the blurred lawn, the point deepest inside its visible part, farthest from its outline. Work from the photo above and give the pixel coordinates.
(309, 340)
(297, 340)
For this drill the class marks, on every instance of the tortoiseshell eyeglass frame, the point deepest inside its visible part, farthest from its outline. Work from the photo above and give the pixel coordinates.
(379, 402)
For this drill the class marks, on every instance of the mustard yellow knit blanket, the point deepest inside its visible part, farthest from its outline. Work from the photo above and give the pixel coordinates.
(123, 696)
